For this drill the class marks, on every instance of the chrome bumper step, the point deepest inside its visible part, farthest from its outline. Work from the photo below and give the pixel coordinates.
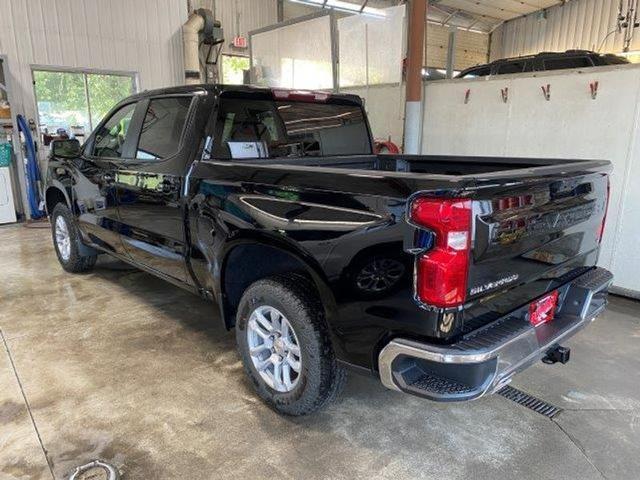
(485, 360)
(440, 385)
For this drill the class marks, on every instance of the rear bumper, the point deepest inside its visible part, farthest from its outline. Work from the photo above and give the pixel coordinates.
(485, 360)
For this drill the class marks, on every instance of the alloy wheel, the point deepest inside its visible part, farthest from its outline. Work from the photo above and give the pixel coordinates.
(274, 348)
(63, 239)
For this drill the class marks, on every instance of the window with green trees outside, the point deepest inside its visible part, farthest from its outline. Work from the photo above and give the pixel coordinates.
(72, 100)
(233, 67)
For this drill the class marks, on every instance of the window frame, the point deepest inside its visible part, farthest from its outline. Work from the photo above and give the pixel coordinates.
(135, 129)
(212, 130)
(143, 105)
(88, 147)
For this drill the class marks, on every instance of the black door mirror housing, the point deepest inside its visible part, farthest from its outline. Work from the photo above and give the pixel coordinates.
(67, 148)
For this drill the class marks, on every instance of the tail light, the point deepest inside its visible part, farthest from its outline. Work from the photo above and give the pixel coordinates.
(441, 276)
(604, 217)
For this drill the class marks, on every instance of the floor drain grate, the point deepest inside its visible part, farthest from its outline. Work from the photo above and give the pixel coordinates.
(529, 401)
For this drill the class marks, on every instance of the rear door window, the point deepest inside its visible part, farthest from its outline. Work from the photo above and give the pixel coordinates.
(511, 67)
(162, 128)
(276, 129)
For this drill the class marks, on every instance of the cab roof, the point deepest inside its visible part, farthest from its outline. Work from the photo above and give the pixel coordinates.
(247, 91)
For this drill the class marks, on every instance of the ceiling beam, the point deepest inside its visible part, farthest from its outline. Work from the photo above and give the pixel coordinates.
(450, 16)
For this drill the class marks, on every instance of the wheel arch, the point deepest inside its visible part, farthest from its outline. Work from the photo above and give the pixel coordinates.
(255, 256)
(56, 193)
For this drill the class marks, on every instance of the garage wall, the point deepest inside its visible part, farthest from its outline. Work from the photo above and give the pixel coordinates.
(570, 125)
(239, 17)
(120, 35)
(385, 108)
(472, 48)
(579, 24)
(295, 10)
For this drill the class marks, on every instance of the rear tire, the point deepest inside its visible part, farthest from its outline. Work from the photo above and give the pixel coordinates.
(289, 301)
(67, 243)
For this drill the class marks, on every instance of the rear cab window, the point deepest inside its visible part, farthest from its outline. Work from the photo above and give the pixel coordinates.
(248, 128)
(511, 67)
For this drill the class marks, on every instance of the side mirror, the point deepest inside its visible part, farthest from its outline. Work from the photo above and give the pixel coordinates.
(68, 148)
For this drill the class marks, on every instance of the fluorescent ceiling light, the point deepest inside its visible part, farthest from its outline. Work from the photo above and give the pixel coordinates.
(343, 6)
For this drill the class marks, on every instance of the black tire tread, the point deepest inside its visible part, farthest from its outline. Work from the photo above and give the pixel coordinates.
(77, 263)
(299, 293)
(337, 381)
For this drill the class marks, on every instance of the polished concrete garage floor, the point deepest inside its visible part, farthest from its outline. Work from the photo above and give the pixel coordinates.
(120, 366)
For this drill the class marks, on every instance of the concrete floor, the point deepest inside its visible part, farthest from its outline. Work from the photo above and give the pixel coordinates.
(120, 366)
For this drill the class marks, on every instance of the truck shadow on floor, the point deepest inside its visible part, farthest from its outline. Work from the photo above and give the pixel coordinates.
(199, 320)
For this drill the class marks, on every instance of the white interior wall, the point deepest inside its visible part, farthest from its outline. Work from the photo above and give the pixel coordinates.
(296, 55)
(570, 125)
(371, 49)
(578, 24)
(239, 17)
(295, 10)
(385, 108)
(113, 35)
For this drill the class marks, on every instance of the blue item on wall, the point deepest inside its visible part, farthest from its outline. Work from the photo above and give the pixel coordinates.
(31, 169)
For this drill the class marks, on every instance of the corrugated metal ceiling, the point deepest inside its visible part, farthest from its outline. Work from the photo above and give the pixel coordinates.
(480, 15)
(483, 15)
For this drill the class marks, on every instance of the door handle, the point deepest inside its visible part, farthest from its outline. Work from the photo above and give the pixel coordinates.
(166, 186)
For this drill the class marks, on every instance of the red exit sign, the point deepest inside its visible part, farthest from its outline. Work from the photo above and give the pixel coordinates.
(239, 42)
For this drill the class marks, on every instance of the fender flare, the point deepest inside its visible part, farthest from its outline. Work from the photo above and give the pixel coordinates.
(57, 185)
(266, 239)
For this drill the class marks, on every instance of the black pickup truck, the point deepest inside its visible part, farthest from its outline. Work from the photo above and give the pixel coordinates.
(443, 276)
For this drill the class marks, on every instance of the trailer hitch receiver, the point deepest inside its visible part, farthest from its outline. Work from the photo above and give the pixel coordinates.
(557, 354)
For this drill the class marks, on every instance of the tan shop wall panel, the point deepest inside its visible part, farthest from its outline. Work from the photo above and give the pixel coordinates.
(472, 48)
(579, 24)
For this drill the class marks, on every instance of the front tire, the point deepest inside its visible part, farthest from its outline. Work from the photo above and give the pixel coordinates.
(67, 243)
(285, 347)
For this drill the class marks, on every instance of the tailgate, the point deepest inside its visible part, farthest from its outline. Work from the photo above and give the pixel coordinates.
(540, 230)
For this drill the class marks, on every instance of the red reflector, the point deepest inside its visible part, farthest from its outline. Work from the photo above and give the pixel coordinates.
(441, 273)
(600, 232)
(543, 310)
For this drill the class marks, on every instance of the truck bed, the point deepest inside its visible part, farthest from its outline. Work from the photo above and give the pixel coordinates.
(456, 166)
